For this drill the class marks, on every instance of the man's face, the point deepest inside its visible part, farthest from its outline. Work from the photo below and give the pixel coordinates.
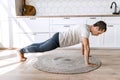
(96, 31)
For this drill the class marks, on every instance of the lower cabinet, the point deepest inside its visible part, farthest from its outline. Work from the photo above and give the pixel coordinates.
(41, 37)
(64, 24)
(25, 34)
(26, 39)
(96, 41)
(110, 39)
(5, 40)
(60, 28)
(117, 39)
(29, 30)
(111, 36)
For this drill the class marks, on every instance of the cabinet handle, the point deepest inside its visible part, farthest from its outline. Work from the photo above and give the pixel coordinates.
(93, 18)
(66, 17)
(32, 18)
(110, 25)
(34, 33)
(66, 25)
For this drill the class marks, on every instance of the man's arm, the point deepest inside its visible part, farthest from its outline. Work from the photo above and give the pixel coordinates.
(86, 51)
(82, 49)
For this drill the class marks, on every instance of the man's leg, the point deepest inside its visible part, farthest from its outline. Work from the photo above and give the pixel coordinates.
(48, 45)
(28, 49)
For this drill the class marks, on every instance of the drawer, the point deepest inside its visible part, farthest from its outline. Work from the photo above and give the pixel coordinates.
(61, 28)
(92, 20)
(26, 39)
(67, 20)
(112, 20)
(41, 37)
(34, 24)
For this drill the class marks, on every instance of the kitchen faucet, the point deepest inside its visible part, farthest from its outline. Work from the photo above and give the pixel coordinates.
(115, 10)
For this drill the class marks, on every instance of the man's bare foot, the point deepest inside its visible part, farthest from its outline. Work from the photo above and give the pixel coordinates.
(23, 59)
(21, 56)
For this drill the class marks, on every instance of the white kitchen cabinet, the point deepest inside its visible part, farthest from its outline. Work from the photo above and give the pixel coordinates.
(67, 20)
(0, 35)
(111, 36)
(41, 37)
(109, 39)
(5, 33)
(34, 24)
(92, 20)
(26, 39)
(64, 24)
(30, 30)
(117, 39)
(59, 27)
(95, 41)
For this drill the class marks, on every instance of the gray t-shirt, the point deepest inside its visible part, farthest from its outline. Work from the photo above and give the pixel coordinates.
(73, 35)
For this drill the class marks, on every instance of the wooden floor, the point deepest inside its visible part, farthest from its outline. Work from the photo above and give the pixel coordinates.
(12, 69)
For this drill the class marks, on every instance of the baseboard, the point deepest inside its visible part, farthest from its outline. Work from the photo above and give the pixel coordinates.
(8, 48)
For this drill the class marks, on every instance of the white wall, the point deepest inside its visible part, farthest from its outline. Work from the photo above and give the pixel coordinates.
(72, 7)
(7, 13)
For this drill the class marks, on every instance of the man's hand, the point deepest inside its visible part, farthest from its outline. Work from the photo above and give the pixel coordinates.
(91, 64)
(85, 49)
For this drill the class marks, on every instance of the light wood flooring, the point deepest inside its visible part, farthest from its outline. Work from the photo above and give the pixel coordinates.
(12, 69)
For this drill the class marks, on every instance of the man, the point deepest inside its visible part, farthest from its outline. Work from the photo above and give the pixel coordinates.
(68, 38)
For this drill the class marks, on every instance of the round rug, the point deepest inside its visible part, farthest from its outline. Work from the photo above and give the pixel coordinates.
(68, 63)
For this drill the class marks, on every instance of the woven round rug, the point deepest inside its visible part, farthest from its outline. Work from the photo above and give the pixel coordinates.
(67, 63)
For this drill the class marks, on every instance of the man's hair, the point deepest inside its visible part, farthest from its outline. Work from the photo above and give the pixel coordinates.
(101, 24)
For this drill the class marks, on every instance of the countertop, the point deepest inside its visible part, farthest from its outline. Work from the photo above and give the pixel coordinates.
(48, 16)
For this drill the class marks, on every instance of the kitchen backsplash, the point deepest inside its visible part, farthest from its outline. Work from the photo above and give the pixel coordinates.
(73, 7)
